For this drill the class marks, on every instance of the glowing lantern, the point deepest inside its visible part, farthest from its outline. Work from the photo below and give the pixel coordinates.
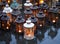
(19, 24)
(28, 30)
(28, 13)
(41, 1)
(41, 19)
(53, 14)
(5, 22)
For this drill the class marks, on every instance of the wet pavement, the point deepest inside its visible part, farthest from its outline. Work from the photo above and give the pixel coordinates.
(47, 35)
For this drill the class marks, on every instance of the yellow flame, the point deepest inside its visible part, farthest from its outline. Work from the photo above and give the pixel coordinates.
(8, 1)
(7, 27)
(40, 25)
(41, 1)
(53, 21)
(20, 31)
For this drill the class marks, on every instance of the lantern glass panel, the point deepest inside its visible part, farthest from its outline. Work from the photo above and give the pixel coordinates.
(28, 30)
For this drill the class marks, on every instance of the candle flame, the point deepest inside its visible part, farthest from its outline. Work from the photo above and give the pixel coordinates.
(20, 31)
(8, 1)
(53, 21)
(41, 1)
(29, 35)
(7, 27)
(40, 25)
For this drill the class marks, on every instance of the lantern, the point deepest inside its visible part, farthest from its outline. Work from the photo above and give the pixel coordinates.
(53, 14)
(28, 4)
(44, 7)
(27, 13)
(28, 30)
(15, 13)
(34, 9)
(41, 19)
(14, 4)
(8, 11)
(5, 22)
(34, 20)
(19, 24)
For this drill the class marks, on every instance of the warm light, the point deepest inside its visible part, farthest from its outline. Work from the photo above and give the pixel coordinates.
(7, 27)
(40, 25)
(20, 31)
(53, 21)
(0, 0)
(2, 24)
(44, 10)
(36, 3)
(29, 35)
(8, 1)
(41, 1)
(56, 17)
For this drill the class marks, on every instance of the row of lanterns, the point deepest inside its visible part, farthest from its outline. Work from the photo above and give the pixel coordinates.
(35, 15)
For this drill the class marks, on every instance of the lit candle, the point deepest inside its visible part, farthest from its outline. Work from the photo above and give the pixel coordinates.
(28, 30)
(41, 19)
(8, 1)
(19, 24)
(53, 14)
(5, 22)
(41, 1)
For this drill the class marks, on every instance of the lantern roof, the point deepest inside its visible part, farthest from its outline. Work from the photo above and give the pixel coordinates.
(4, 17)
(28, 11)
(33, 19)
(16, 12)
(28, 24)
(40, 15)
(20, 19)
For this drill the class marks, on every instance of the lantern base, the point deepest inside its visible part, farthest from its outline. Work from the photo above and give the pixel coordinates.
(29, 38)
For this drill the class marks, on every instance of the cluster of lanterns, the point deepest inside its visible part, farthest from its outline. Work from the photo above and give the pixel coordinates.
(34, 16)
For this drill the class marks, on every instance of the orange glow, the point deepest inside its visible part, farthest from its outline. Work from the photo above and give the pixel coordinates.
(56, 17)
(40, 25)
(0, 0)
(20, 31)
(44, 10)
(29, 35)
(8, 1)
(41, 1)
(54, 21)
(7, 27)
(2, 24)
